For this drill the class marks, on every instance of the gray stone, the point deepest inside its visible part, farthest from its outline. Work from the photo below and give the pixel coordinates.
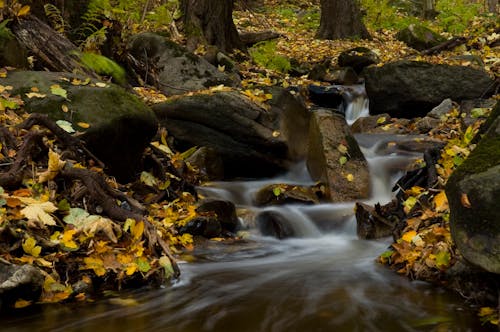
(441, 109)
(178, 69)
(335, 158)
(410, 89)
(419, 37)
(473, 190)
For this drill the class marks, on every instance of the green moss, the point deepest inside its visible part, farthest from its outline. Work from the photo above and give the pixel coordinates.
(103, 66)
(264, 54)
(484, 156)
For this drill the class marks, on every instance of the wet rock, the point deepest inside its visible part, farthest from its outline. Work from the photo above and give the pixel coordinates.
(278, 194)
(272, 223)
(473, 190)
(206, 226)
(358, 58)
(410, 89)
(419, 37)
(250, 140)
(178, 69)
(338, 76)
(380, 124)
(335, 158)
(426, 124)
(208, 163)
(121, 126)
(224, 212)
(19, 282)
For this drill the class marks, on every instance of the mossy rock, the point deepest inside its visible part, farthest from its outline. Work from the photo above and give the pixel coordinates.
(420, 37)
(473, 191)
(119, 125)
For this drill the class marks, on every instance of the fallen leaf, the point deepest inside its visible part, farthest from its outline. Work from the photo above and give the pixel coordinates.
(40, 212)
(441, 202)
(408, 236)
(58, 91)
(84, 125)
(55, 164)
(23, 11)
(21, 303)
(30, 247)
(464, 199)
(67, 126)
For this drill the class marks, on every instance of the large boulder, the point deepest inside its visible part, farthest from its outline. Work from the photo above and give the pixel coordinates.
(177, 69)
(19, 282)
(419, 37)
(410, 89)
(252, 141)
(120, 125)
(473, 190)
(335, 158)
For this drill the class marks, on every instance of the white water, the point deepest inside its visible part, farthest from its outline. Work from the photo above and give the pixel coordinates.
(326, 280)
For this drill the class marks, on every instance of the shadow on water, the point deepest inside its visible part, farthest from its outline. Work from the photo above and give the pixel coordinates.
(327, 280)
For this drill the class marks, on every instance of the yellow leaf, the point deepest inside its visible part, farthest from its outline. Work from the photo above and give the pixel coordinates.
(65, 108)
(67, 240)
(137, 230)
(30, 247)
(83, 125)
(21, 303)
(35, 95)
(96, 264)
(408, 236)
(441, 202)
(2, 3)
(23, 11)
(350, 177)
(55, 164)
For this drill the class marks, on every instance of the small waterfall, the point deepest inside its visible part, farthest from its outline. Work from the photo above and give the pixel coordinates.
(355, 104)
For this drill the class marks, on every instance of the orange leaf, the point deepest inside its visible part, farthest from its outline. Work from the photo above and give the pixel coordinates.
(441, 202)
(408, 236)
(464, 199)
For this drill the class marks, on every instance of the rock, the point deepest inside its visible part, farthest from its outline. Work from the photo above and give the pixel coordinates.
(335, 158)
(380, 124)
(12, 53)
(426, 124)
(358, 58)
(178, 70)
(251, 141)
(208, 162)
(339, 76)
(224, 212)
(419, 37)
(473, 190)
(410, 89)
(279, 194)
(121, 126)
(206, 226)
(19, 282)
(272, 223)
(441, 109)
(326, 96)
(289, 117)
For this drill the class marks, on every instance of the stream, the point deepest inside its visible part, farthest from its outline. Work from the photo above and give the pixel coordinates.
(324, 280)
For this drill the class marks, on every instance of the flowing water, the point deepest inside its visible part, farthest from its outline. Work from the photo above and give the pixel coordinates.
(325, 280)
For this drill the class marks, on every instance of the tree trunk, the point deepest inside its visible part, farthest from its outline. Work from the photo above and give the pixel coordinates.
(341, 19)
(211, 22)
(492, 6)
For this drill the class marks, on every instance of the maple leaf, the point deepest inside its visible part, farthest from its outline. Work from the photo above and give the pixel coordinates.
(92, 224)
(40, 212)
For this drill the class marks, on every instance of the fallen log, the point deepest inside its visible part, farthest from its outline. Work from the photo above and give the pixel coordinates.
(52, 48)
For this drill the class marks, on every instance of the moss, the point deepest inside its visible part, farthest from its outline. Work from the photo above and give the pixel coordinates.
(484, 156)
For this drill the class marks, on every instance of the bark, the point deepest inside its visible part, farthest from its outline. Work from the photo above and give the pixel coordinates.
(341, 19)
(211, 22)
(50, 47)
(492, 6)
